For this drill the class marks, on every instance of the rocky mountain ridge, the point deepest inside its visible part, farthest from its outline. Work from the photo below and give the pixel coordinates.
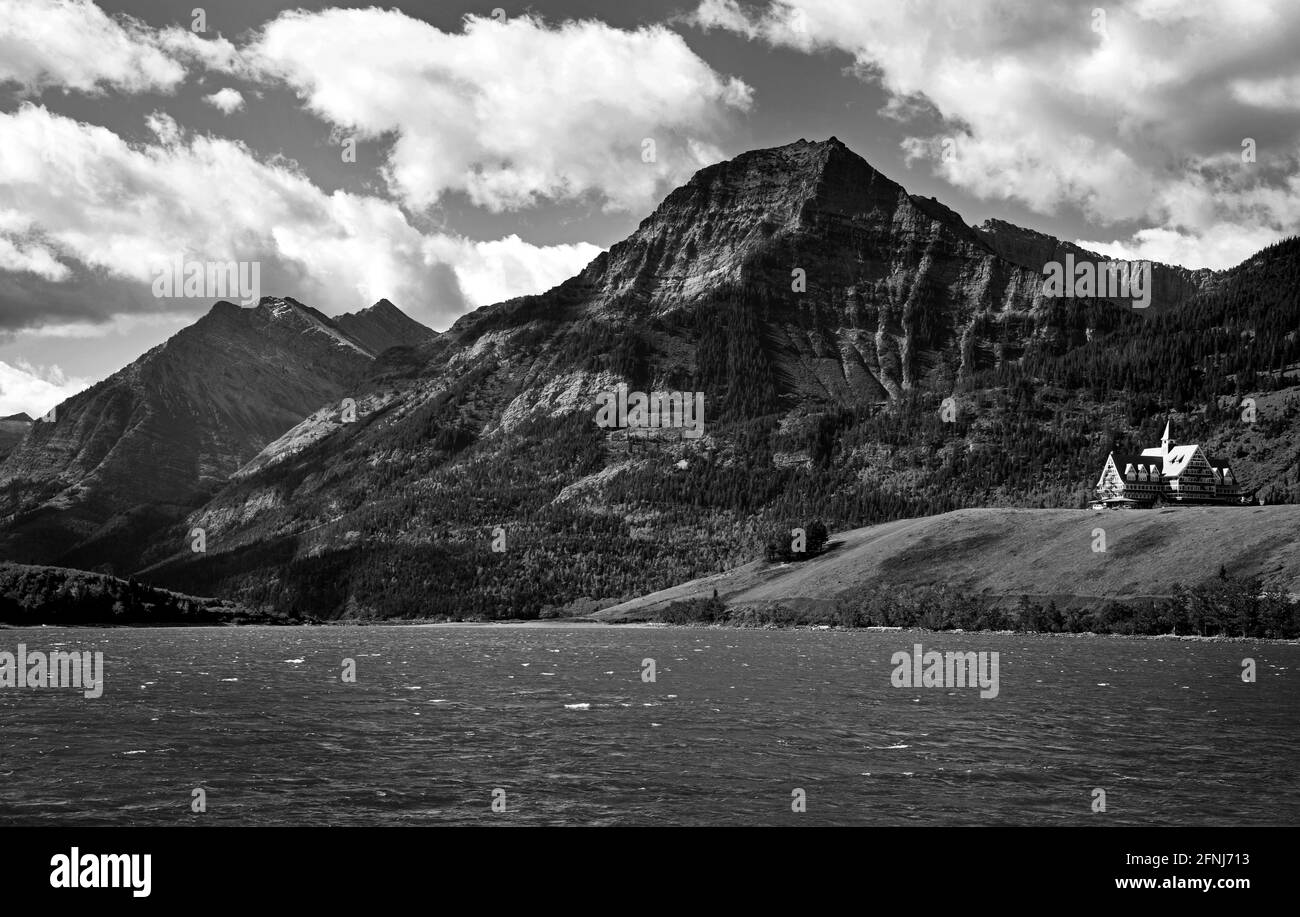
(139, 448)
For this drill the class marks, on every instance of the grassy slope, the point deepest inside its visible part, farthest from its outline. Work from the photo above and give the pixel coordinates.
(1043, 553)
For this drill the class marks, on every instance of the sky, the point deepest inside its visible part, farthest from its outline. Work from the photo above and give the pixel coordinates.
(446, 156)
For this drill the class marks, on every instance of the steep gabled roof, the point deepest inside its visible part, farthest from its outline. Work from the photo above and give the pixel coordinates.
(1135, 459)
(1179, 460)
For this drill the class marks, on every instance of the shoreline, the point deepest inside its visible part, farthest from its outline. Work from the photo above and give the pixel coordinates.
(569, 624)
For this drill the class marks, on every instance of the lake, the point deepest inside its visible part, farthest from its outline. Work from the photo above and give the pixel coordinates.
(558, 721)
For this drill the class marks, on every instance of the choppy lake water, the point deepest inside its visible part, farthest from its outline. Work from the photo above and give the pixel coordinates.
(560, 719)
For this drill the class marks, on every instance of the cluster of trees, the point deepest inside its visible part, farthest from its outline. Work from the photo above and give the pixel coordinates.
(32, 595)
(786, 543)
(694, 611)
(1222, 607)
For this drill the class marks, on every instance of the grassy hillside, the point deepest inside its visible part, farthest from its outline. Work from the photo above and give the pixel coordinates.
(1004, 554)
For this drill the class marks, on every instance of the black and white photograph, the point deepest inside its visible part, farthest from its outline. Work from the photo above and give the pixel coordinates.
(865, 414)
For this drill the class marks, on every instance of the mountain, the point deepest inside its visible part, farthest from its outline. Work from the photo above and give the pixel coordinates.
(864, 356)
(894, 282)
(138, 450)
(12, 430)
(382, 326)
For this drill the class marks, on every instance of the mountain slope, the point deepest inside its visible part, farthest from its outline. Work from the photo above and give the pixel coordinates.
(139, 449)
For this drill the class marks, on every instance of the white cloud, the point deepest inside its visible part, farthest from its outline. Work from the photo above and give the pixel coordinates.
(1218, 247)
(34, 390)
(511, 113)
(1276, 92)
(31, 258)
(115, 325)
(73, 44)
(127, 209)
(227, 100)
(208, 53)
(1133, 117)
(493, 271)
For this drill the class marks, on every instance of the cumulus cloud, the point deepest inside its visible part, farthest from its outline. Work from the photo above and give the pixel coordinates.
(119, 210)
(498, 270)
(73, 44)
(510, 113)
(1134, 113)
(33, 259)
(34, 390)
(227, 100)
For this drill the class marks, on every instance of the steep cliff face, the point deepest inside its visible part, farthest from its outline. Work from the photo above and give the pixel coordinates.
(861, 289)
(1172, 286)
(155, 438)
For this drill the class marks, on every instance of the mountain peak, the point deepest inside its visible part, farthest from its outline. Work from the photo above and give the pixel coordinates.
(206, 400)
(268, 306)
(712, 232)
(382, 326)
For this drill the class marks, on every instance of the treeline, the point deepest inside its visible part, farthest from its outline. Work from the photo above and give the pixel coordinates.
(1231, 339)
(1223, 607)
(34, 595)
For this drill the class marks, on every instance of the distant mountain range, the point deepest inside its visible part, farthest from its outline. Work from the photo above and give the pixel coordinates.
(823, 311)
(140, 449)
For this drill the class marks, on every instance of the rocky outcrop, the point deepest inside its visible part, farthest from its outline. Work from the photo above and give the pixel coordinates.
(1171, 285)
